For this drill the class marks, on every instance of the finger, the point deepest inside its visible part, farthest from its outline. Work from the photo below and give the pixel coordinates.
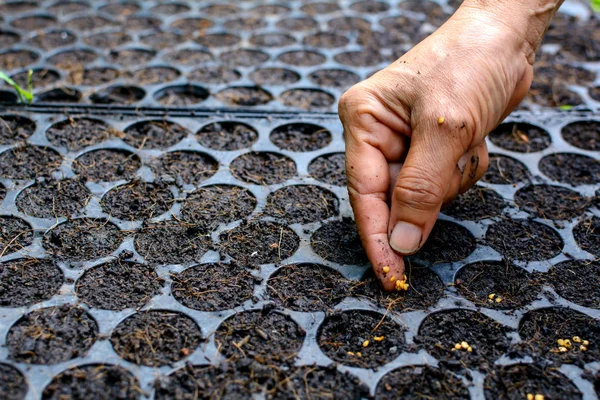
(519, 93)
(475, 163)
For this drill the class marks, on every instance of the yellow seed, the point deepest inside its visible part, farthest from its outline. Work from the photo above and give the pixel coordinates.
(358, 353)
(441, 120)
(365, 343)
(539, 397)
(498, 299)
(576, 339)
(470, 349)
(491, 296)
(393, 278)
(530, 396)
(378, 338)
(582, 348)
(562, 349)
(586, 342)
(457, 346)
(464, 345)
(560, 342)
(350, 353)
(386, 269)
(567, 343)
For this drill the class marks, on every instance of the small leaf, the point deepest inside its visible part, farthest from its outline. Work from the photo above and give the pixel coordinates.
(24, 95)
(566, 107)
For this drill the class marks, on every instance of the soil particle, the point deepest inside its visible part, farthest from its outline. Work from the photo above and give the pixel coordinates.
(302, 58)
(217, 40)
(181, 95)
(524, 240)
(307, 98)
(77, 133)
(244, 96)
(476, 204)
(300, 137)
(362, 58)
(14, 128)
(191, 26)
(71, 59)
(118, 95)
(577, 281)
(447, 242)
(326, 40)
(503, 170)
(263, 168)
(213, 287)
(337, 78)
(484, 283)
(273, 39)
(297, 24)
(259, 242)
(214, 74)
(329, 168)
(28, 162)
(33, 23)
(154, 134)
(583, 134)
(520, 137)
(107, 40)
(439, 333)
(320, 7)
(274, 76)
(107, 165)
(551, 202)
(570, 168)
(587, 235)
(130, 57)
(41, 77)
(421, 382)
(15, 234)
(53, 199)
(266, 336)
(301, 204)
(251, 24)
(184, 167)
(118, 285)
(13, 385)
(137, 200)
(152, 75)
(338, 241)
(53, 39)
(51, 335)
(227, 136)
(94, 76)
(170, 8)
(155, 338)
(28, 281)
(244, 58)
(93, 381)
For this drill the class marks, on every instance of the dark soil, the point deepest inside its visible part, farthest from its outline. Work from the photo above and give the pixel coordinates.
(338, 241)
(551, 202)
(307, 287)
(40, 78)
(217, 40)
(361, 58)
(320, 7)
(570, 168)
(524, 240)
(154, 134)
(181, 95)
(188, 57)
(28, 162)
(583, 134)
(227, 136)
(370, 7)
(593, 91)
(215, 74)
(72, 59)
(107, 165)
(169, 8)
(15, 128)
(337, 78)
(440, 331)
(15, 234)
(93, 381)
(28, 281)
(587, 235)
(185, 167)
(259, 242)
(213, 287)
(577, 281)
(53, 39)
(421, 382)
(300, 137)
(250, 24)
(53, 199)
(8, 39)
(83, 239)
(301, 204)
(520, 137)
(51, 335)
(152, 75)
(220, 10)
(503, 170)
(88, 23)
(119, 10)
(307, 98)
(66, 7)
(142, 23)
(392, 39)
(329, 168)
(297, 24)
(118, 95)
(326, 40)
(2, 192)
(244, 58)
(14, 7)
(13, 385)
(348, 24)
(447, 242)
(274, 76)
(137, 200)
(244, 96)
(342, 337)
(130, 57)
(77, 133)
(270, 9)
(273, 39)
(190, 26)
(264, 335)
(476, 204)
(107, 40)
(302, 58)
(118, 285)
(59, 95)
(33, 23)
(263, 168)
(94, 76)
(514, 286)
(155, 338)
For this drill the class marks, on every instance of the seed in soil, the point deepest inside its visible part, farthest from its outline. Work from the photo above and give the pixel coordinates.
(137, 200)
(107, 40)
(41, 77)
(301, 204)
(213, 287)
(77, 133)
(152, 75)
(53, 199)
(342, 336)
(181, 95)
(587, 235)
(83, 239)
(155, 338)
(51, 335)
(571, 168)
(28, 281)
(313, 382)
(263, 168)
(265, 336)
(583, 134)
(107, 165)
(329, 168)
(15, 234)
(88, 23)
(118, 95)
(503, 170)
(93, 381)
(551, 202)
(337, 78)
(259, 242)
(421, 382)
(94, 76)
(154, 134)
(217, 40)
(338, 241)
(274, 76)
(273, 39)
(300, 137)
(214, 74)
(244, 58)
(307, 98)
(13, 385)
(130, 57)
(519, 381)
(524, 240)
(188, 57)
(170, 8)
(28, 162)
(118, 285)
(227, 135)
(72, 59)
(447, 242)
(244, 96)
(577, 281)
(59, 95)
(520, 137)
(15, 128)
(302, 58)
(476, 204)
(184, 167)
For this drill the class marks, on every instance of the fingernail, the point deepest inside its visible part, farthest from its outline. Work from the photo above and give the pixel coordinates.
(406, 238)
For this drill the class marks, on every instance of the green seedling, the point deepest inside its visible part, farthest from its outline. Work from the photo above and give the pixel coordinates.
(595, 4)
(25, 96)
(566, 107)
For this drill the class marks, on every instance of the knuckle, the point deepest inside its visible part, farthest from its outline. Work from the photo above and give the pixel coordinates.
(419, 192)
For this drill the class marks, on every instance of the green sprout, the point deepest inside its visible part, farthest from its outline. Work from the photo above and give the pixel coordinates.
(595, 4)
(25, 96)
(566, 107)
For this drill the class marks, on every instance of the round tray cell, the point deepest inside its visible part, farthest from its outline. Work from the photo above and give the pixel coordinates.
(320, 7)
(551, 202)
(13, 385)
(83, 239)
(8, 39)
(216, 75)
(152, 75)
(181, 95)
(244, 96)
(312, 382)
(118, 95)
(320, 288)
(32, 23)
(77, 133)
(343, 336)
(521, 380)
(524, 240)
(302, 58)
(583, 134)
(329, 168)
(387, 39)
(301, 204)
(170, 8)
(541, 329)
(107, 165)
(400, 24)
(137, 200)
(142, 23)
(503, 170)
(270, 9)
(52, 335)
(338, 241)
(40, 78)
(433, 11)
(107, 40)
(593, 91)
(161, 39)
(370, 7)
(274, 76)
(587, 235)
(13, 59)
(122, 9)
(72, 59)
(88, 23)
(227, 136)
(8, 97)
(59, 95)
(440, 332)
(118, 285)
(94, 76)
(15, 234)
(362, 58)
(66, 7)
(171, 243)
(297, 24)
(272, 39)
(415, 382)
(577, 281)
(54, 198)
(520, 137)
(15, 7)
(154, 134)
(52, 40)
(220, 10)
(93, 381)
(155, 338)
(191, 26)
(259, 242)
(211, 206)
(263, 168)
(28, 162)
(552, 94)
(213, 287)
(185, 167)
(249, 24)
(129, 57)
(307, 98)
(28, 281)
(300, 137)
(336, 78)
(263, 335)
(218, 40)
(497, 284)
(570, 168)
(326, 40)
(15, 128)
(447, 242)
(476, 204)
(347, 24)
